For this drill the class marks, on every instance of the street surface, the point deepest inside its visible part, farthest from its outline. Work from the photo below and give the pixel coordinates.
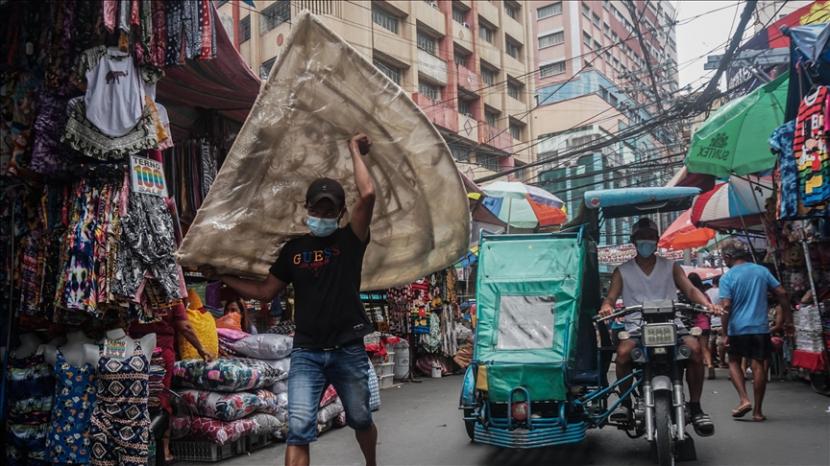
(419, 424)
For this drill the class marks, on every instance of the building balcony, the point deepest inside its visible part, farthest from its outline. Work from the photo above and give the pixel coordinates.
(489, 11)
(431, 16)
(440, 114)
(489, 53)
(468, 127)
(516, 107)
(468, 79)
(514, 66)
(493, 98)
(432, 67)
(494, 137)
(513, 28)
(463, 36)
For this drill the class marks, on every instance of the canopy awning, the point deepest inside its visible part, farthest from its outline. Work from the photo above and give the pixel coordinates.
(225, 84)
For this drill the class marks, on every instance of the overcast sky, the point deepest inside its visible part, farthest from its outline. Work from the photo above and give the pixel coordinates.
(700, 36)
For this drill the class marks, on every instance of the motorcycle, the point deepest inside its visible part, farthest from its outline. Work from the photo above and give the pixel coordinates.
(660, 357)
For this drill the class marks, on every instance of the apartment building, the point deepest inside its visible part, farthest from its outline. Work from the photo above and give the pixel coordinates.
(592, 83)
(468, 64)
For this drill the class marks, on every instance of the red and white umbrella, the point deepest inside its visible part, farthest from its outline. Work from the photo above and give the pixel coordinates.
(737, 203)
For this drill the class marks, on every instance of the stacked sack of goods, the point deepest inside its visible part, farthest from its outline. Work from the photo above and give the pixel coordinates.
(242, 393)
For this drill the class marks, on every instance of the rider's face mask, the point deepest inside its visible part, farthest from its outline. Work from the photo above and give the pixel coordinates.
(646, 248)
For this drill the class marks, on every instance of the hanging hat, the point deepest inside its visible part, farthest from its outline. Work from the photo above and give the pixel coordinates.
(193, 299)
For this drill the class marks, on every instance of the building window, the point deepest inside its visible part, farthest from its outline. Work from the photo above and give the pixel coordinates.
(486, 33)
(586, 40)
(426, 43)
(429, 91)
(265, 68)
(491, 117)
(514, 89)
(459, 58)
(460, 153)
(595, 19)
(459, 15)
(392, 72)
(488, 75)
(597, 46)
(553, 9)
(385, 19)
(586, 10)
(606, 29)
(549, 40)
(245, 29)
(512, 10)
(488, 161)
(514, 49)
(275, 14)
(464, 107)
(552, 69)
(515, 131)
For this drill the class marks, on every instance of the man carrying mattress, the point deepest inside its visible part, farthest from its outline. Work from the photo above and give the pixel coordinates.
(325, 268)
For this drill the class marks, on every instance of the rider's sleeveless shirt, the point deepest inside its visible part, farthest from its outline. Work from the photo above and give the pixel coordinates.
(639, 288)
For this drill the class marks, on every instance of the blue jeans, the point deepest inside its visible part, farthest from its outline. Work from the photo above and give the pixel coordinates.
(346, 368)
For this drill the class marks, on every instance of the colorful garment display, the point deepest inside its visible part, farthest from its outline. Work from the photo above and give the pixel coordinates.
(30, 388)
(120, 420)
(80, 134)
(67, 439)
(810, 148)
(212, 430)
(781, 142)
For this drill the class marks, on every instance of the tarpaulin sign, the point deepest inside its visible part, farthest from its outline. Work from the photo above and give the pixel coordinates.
(147, 176)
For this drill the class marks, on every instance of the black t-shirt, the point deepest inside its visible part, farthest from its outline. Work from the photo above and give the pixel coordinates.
(326, 277)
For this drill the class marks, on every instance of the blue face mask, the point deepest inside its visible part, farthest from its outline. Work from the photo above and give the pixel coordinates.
(646, 248)
(321, 227)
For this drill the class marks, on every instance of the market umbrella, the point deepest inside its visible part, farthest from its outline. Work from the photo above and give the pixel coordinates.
(735, 204)
(523, 206)
(683, 234)
(733, 141)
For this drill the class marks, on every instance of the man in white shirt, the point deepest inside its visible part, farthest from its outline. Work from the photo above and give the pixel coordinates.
(718, 338)
(649, 277)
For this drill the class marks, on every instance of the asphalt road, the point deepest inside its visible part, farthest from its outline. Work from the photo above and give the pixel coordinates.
(419, 424)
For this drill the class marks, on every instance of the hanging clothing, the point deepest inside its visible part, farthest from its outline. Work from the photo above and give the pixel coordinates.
(85, 137)
(120, 419)
(67, 439)
(30, 386)
(781, 142)
(810, 148)
(114, 95)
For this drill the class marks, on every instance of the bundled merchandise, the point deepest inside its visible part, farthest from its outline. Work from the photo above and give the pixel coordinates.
(808, 329)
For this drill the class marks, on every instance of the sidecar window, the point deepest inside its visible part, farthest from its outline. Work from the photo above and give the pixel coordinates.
(525, 322)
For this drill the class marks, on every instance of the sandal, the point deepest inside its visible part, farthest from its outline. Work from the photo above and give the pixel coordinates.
(703, 425)
(742, 410)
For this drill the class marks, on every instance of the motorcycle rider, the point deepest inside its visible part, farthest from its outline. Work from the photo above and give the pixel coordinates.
(648, 277)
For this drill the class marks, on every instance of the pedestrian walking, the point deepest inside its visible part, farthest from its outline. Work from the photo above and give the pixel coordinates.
(702, 322)
(743, 293)
(717, 338)
(325, 268)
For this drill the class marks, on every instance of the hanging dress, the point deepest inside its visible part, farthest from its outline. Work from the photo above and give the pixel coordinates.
(29, 405)
(67, 440)
(120, 420)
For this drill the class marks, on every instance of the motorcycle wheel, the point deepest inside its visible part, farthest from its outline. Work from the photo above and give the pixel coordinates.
(662, 421)
(469, 425)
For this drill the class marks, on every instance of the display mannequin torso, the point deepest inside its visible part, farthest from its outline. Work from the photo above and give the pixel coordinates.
(29, 345)
(147, 343)
(75, 350)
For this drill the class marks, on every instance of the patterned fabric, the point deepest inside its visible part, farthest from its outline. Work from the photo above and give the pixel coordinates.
(49, 156)
(268, 424)
(781, 142)
(810, 148)
(212, 430)
(225, 375)
(120, 420)
(68, 437)
(84, 137)
(29, 406)
(222, 406)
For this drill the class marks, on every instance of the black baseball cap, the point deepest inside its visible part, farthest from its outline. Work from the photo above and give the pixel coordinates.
(325, 188)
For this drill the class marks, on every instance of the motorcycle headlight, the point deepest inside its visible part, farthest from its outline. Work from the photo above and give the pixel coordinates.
(659, 335)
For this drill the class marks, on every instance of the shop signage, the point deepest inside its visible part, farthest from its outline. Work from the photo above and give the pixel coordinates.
(147, 176)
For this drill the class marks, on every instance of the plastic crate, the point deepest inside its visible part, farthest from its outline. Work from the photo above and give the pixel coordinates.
(386, 381)
(384, 369)
(202, 451)
(258, 441)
